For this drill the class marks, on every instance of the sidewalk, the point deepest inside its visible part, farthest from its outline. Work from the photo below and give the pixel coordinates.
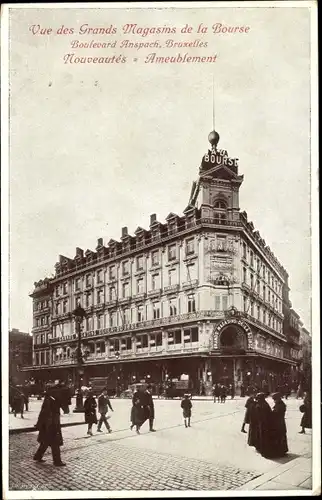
(293, 475)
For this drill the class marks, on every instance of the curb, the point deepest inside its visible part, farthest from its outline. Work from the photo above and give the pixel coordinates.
(33, 429)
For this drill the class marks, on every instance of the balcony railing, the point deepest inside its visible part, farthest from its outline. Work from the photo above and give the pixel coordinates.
(171, 288)
(138, 297)
(190, 284)
(154, 293)
(143, 325)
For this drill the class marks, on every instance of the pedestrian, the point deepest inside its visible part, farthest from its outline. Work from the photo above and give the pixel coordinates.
(299, 393)
(306, 409)
(248, 405)
(148, 407)
(259, 433)
(278, 427)
(18, 404)
(103, 405)
(242, 391)
(223, 394)
(217, 392)
(90, 406)
(137, 415)
(232, 391)
(49, 428)
(186, 406)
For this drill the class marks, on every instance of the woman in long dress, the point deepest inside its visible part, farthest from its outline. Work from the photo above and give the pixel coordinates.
(278, 431)
(259, 433)
(90, 406)
(306, 409)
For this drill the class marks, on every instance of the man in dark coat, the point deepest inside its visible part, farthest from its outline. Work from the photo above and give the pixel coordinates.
(18, 403)
(90, 406)
(49, 428)
(249, 405)
(148, 406)
(103, 405)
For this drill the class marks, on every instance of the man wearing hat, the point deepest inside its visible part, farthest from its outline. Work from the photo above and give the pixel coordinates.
(148, 406)
(49, 426)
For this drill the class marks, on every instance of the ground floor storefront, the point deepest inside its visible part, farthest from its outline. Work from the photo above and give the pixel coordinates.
(195, 373)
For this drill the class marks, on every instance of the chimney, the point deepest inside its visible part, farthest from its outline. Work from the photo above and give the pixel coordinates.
(124, 232)
(79, 252)
(153, 218)
(100, 242)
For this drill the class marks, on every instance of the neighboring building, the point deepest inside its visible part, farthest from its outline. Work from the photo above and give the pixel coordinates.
(200, 295)
(306, 358)
(20, 355)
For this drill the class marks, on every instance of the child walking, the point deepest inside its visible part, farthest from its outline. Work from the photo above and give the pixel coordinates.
(186, 406)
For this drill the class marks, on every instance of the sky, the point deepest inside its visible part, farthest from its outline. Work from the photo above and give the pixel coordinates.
(94, 148)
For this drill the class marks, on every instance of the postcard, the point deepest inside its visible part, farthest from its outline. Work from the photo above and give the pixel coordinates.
(160, 250)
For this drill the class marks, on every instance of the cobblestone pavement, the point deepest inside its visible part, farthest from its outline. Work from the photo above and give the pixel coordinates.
(211, 455)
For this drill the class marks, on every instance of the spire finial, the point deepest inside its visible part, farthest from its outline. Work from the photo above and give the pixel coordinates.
(213, 137)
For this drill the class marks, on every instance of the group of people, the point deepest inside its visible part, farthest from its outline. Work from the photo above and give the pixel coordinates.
(18, 401)
(220, 392)
(267, 428)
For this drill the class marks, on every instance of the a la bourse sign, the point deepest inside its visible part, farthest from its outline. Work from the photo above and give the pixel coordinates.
(230, 322)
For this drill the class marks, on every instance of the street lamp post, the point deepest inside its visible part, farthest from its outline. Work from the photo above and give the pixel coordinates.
(79, 314)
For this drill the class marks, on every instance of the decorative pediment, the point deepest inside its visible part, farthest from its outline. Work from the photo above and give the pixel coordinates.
(139, 231)
(219, 172)
(112, 243)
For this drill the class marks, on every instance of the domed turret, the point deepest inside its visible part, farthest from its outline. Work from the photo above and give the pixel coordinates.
(213, 138)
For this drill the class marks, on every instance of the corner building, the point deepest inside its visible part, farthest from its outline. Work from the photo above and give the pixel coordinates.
(199, 296)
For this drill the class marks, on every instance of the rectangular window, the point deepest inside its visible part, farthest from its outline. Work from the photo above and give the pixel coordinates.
(65, 305)
(65, 288)
(139, 263)
(125, 290)
(190, 246)
(144, 341)
(57, 294)
(57, 308)
(126, 316)
(172, 252)
(125, 268)
(156, 310)
(100, 276)
(244, 275)
(172, 308)
(128, 344)
(155, 258)
(112, 293)
(258, 312)
(245, 303)
(177, 337)
(99, 296)
(100, 322)
(187, 336)
(112, 272)
(258, 286)
(158, 339)
(87, 300)
(88, 280)
(252, 309)
(140, 314)
(252, 259)
(172, 277)
(195, 334)
(191, 272)
(244, 251)
(140, 286)
(191, 304)
(225, 302)
(155, 281)
(264, 292)
(251, 280)
(77, 284)
(217, 302)
(112, 319)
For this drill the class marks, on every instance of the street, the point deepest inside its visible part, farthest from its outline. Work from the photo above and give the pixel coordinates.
(211, 455)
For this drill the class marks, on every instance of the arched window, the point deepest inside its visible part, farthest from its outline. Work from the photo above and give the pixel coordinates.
(220, 215)
(220, 204)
